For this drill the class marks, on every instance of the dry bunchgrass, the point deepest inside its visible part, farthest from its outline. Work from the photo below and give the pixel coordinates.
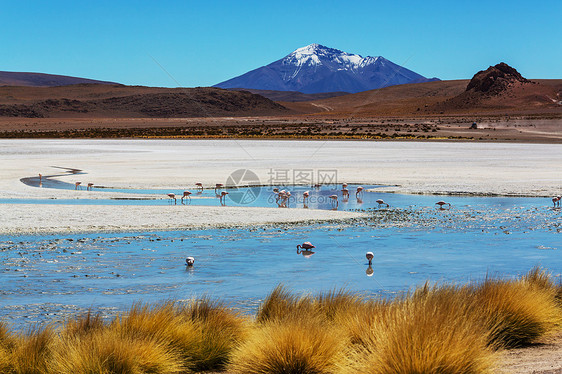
(281, 304)
(519, 312)
(5, 343)
(32, 351)
(429, 331)
(434, 329)
(163, 325)
(289, 346)
(83, 325)
(220, 328)
(108, 352)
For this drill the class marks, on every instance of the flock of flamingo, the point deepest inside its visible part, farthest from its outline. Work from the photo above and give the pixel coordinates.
(282, 197)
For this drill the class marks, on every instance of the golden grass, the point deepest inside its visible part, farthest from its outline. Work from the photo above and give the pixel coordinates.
(281, 304)
(107, 351)
(291, 346)
(221, 330)
(430, 331)
(519, 312)
(32, 351)
(436, 329)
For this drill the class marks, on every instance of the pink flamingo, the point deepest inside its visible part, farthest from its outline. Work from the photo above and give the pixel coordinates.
(90, 187)
(307, 246)
(345, 193)
(556, 200)
(305, 196)
(172, 196)
(77, 185)
(223, 197)
(199, 186)
(335, 198)
(370, 256)
(442, 203)
(381, 202)
(189, 261)
(186, 194)
(359, 191)
(218, 186)
(276, 193)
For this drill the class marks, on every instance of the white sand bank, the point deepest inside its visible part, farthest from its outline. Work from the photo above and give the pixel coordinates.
(42, 218)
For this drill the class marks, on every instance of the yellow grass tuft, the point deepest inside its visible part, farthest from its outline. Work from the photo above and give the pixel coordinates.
(430, 331)
(106, 351)
(519, 312)
(281, 304)
(83, 325)
(32, 351)
(291, 346)
(221, 330)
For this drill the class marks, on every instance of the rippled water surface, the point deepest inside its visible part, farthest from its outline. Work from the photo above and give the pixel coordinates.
(45, 278)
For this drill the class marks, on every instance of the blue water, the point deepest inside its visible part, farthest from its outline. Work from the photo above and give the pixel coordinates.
(46, 278)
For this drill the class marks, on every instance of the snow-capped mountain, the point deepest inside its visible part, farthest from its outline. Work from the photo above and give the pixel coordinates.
(315, 69)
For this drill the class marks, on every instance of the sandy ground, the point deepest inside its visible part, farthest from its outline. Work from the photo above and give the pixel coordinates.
(544, 358)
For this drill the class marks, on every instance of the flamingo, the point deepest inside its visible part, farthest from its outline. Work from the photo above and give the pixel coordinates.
(441, 203)
(305, 196)
(223, 198)
(370, 256)
(359, 191)
(90, 187)
(40, 177)
(381, 202)
(287, 198)
(335, 198)
(186, 194)
(556, 200)
(218, 186)
(306, 246)
(345, 192)
(77, 185)
(189, 261)
(199, 186)
(317, 185)
(172, 196)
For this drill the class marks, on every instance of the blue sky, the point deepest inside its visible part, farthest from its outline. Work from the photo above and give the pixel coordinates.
(201, 43)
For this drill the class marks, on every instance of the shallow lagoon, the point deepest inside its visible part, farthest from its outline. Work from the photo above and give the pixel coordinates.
(44, 278)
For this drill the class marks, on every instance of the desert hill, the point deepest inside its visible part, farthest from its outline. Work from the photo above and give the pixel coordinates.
(10, 78)
(501, 87)
(93, 100)
(498, 90)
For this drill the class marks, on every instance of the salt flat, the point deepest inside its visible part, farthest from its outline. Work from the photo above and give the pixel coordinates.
(411, 167)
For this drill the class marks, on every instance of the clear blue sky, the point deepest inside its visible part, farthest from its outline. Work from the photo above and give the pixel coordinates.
(201, 43)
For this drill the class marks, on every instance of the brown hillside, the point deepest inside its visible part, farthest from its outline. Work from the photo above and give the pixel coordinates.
(502, 88)
(404, 99)
(87, 100)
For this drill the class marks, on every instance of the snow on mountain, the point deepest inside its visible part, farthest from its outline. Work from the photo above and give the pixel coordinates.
(316, 68)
